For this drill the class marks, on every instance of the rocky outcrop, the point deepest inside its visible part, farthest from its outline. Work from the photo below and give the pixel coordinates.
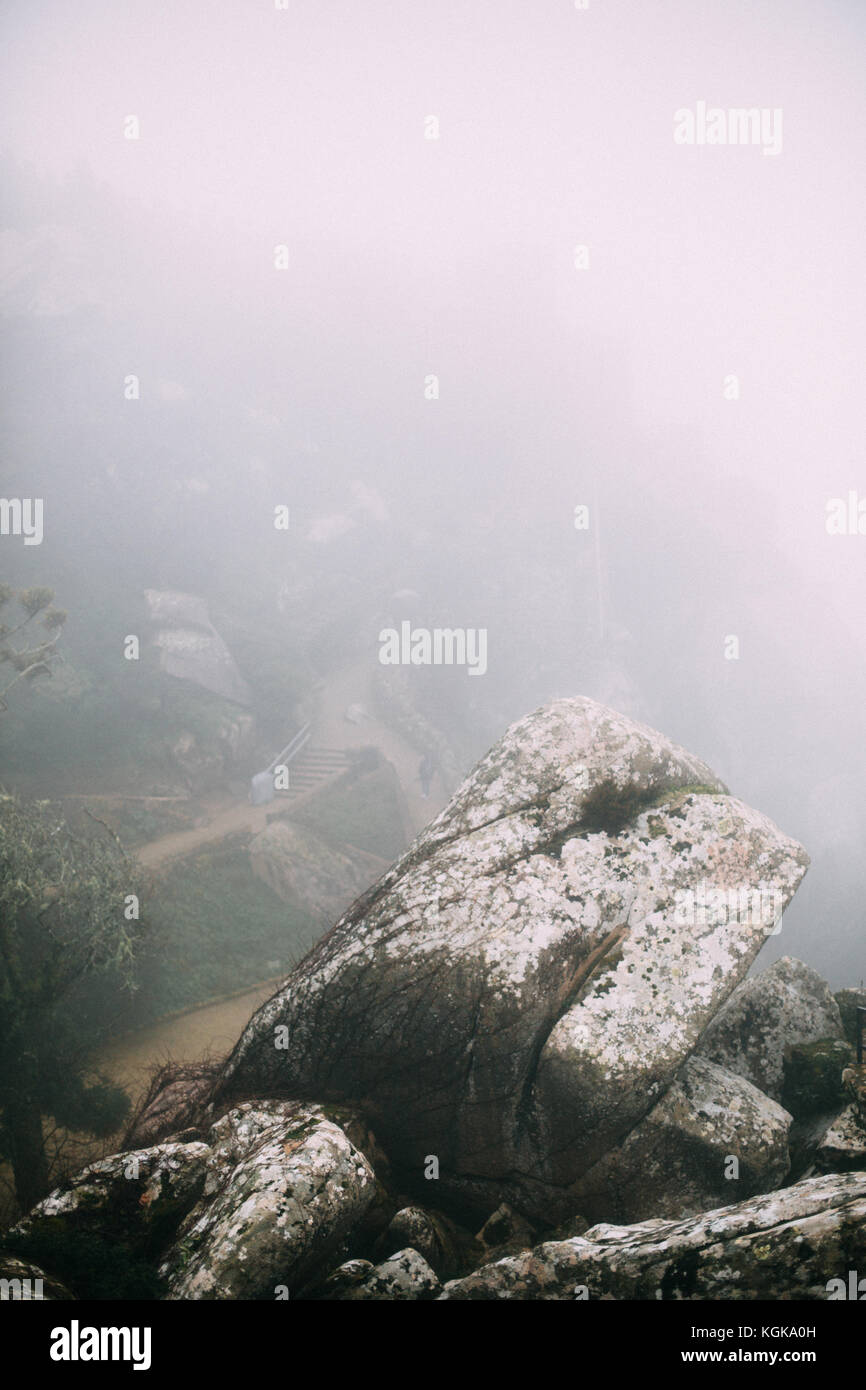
(790, 1244)
(711, 1136)
(190, 647)
(543, 1012)
(266, 1204)
(431, 1235)
(285, 1187)
(141, 1188)
(99, 1235)
(403, 1277)
(786, 1004)
(521, 989)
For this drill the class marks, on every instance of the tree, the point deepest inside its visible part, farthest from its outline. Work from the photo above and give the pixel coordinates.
(70, 937)
(31, 654)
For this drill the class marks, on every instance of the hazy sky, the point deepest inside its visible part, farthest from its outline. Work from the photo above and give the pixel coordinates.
(307, 126)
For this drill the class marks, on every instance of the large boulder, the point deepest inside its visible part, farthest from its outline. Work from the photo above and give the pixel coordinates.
(711, 1135)
(523, 986)
(798, 1243)
(190, 647)
(140, 1188)
(285, 1188)
(102, 1231)
(785, 1005)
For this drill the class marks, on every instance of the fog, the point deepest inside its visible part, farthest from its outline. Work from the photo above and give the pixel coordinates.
(434, 277)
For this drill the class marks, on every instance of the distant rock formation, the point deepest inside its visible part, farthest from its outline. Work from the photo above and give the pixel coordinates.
(190, 647)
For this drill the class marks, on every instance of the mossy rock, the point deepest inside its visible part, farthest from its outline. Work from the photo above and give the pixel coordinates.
(813, 1076)
(609, 807)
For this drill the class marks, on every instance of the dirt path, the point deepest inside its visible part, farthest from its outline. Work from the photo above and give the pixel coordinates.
(210, 1030)
(228, 818)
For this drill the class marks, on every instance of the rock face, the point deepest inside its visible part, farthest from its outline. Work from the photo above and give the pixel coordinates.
(784, 1245)
(402, 1277)
(521, 989)
(298, 865)
(843, 1145)
(787, 1004)
(141, 1186)
(678, 1160)
(267, 1204)
(420, 1230)
(813, 1077)
(190, 646)
(285, 1186)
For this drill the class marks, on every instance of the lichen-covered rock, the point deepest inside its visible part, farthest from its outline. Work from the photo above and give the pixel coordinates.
(425, 1232)
(402, 1277)
(190, 647)
(521, 988)
(784, 1245)
(21, 1281)
(342, 1280)
(284, 1189)
(813, 1076)
(843, 1145)
(786, 1004)
(141, 1188)
(712, 1136)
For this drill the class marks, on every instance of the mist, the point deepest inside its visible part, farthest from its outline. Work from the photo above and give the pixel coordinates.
(434, 279)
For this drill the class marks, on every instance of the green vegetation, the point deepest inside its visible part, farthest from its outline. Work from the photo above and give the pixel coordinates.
(363, 811)
(22, 650)
(139, 822)
(609, 807)
(70, 929)
(215, 928)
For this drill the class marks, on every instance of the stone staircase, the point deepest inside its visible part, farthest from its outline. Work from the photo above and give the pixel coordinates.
(312, 769)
